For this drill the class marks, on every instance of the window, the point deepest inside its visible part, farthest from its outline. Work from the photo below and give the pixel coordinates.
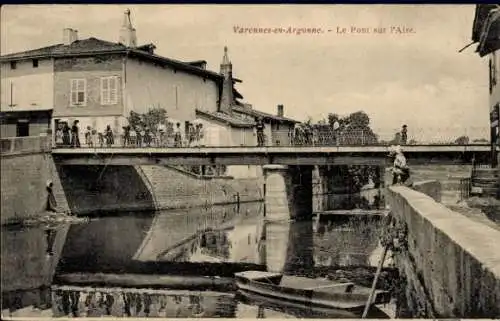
(35, 63)
(78, 92)
(13, 65)
(109, 90)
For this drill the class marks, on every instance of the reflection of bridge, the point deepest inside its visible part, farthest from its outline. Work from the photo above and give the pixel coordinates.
(321, 155)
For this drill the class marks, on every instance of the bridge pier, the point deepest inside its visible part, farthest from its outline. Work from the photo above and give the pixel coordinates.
(288, 192)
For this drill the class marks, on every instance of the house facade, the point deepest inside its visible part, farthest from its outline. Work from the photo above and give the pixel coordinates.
(99, 82)
(27, 97)
(486, 32)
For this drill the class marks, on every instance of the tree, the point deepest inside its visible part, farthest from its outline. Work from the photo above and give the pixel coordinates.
(353, 129)
(462, 140)
(154, 117)
(151, 119)
(135, 120)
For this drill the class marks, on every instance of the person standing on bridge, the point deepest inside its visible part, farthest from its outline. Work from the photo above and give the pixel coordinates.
(75, 134)
(404, 135)
(400, 170)
(259, 127)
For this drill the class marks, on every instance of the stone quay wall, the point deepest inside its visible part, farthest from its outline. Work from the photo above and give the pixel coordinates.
(450, 264)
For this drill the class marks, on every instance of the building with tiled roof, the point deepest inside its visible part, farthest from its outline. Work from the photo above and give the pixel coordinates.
(99, 82)
(486, 33)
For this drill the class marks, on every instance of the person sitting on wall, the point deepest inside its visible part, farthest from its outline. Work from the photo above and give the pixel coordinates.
(400, 170)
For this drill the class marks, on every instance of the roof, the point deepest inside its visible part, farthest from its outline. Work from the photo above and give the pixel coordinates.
(94, 46)
(226, 119)
(480, 16)
(490, 35)
(256, 113)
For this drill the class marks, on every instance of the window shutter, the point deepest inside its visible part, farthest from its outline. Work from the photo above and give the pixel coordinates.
(81, 85)
(113, 88)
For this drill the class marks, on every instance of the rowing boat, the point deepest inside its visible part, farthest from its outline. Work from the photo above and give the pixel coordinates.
(343, 299)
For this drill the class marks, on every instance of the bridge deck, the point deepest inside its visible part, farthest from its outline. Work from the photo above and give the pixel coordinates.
(276, 149)
(321, 155)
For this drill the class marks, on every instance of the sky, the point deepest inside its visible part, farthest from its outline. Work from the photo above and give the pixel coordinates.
(416, 78)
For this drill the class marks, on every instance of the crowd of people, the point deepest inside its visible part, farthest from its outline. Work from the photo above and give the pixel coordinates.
(167, 134)
(163, 135)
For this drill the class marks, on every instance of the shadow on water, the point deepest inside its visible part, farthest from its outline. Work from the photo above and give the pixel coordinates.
(153, 247)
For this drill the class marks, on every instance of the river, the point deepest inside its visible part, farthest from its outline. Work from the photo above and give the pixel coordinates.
(113, 265)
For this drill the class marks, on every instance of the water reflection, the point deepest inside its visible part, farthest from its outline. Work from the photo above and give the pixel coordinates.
(216, 241)
(29, 258)
(122, 302)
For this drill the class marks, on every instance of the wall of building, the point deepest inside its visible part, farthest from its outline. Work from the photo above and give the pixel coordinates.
(38, 122)
(93, 113)
(32, 88)
(215, 133)
(495, 95)
(148, 85)
(91, 69)
(280, 134)
(450, 264)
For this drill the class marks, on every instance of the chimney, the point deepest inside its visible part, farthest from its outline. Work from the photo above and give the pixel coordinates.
(128, 35)
(69, 36)
(281, 112)
(227, 95)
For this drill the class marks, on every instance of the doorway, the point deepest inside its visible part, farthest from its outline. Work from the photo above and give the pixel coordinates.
(22, 128)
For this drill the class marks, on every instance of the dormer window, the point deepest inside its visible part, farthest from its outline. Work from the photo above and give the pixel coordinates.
(13, 65)
(35, 63)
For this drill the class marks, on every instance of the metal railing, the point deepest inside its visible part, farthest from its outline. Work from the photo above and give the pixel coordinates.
(297, 138)
(465, 188)
(27, 144)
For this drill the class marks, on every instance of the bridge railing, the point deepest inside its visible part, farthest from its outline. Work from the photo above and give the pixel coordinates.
(27, 144)
(296, 138)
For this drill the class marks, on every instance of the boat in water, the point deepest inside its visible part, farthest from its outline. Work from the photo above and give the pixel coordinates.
(324, 297)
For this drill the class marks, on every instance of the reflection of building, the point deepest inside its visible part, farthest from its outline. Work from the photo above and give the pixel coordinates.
(345, 244)
(122, 302)
(486, 32)
(29, 261)
(163, 242)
